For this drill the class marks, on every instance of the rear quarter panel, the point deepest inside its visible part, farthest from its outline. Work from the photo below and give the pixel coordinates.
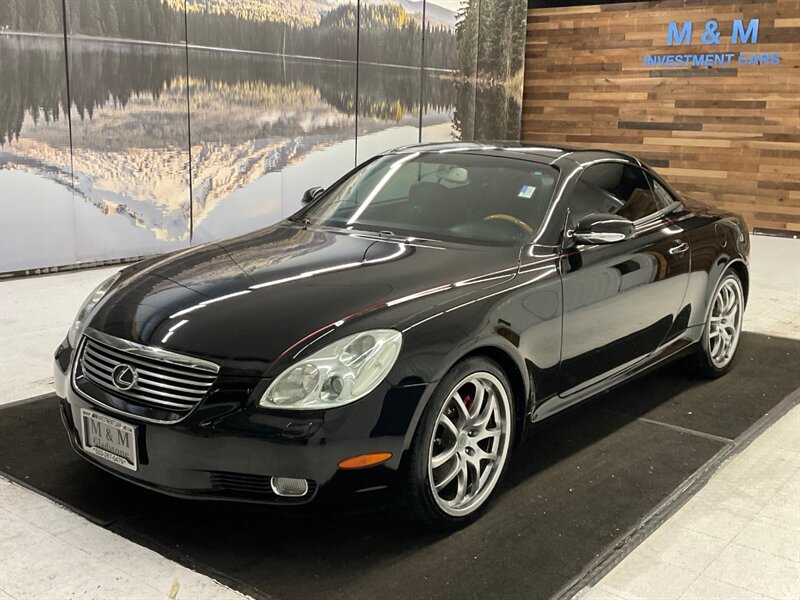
(718, 240)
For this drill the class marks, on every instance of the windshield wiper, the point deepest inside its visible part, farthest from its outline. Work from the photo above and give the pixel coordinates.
(383, 234)
(403, 239)
(304, 220)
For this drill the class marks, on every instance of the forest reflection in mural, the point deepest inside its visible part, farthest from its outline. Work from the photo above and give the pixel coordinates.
(156, 124)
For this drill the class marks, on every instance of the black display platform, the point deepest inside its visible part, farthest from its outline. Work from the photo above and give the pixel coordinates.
(572, 489)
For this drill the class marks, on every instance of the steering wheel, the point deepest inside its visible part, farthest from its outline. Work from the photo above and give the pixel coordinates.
(510, 219)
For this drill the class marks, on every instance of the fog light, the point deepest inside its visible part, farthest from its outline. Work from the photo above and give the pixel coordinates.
(287, 486)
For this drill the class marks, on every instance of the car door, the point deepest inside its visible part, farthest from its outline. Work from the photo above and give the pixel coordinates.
(620, 300)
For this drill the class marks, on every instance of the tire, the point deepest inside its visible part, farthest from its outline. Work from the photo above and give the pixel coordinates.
(461, 447)
(723, 328)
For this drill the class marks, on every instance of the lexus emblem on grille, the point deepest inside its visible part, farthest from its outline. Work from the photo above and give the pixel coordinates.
(124, 377)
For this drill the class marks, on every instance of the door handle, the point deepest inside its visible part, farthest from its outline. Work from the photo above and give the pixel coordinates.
(679, 248)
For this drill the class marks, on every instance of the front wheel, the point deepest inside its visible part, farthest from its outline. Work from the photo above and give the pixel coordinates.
(722, 329)
(462, 444)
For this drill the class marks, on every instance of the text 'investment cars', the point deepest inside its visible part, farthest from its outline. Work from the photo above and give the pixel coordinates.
(403, 329)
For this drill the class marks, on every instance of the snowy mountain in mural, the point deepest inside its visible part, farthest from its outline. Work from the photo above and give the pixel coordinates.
(273, 109)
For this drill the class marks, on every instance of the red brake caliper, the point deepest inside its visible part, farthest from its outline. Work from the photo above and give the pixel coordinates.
(467, 399)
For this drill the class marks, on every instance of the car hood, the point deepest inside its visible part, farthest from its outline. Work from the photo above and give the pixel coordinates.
(248, 300)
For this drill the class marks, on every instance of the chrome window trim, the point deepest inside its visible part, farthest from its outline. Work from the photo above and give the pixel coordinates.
(597, 161)
(656, 215)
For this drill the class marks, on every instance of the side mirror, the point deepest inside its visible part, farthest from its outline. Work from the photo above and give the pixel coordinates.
(603, 228)
(311, 194)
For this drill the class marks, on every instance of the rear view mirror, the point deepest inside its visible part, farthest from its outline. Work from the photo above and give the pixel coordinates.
(603, 228)
(311, 194)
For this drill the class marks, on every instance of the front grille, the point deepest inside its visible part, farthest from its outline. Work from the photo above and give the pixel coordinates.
(160, 379)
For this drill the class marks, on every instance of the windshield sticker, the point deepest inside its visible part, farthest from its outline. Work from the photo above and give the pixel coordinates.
(526, 191)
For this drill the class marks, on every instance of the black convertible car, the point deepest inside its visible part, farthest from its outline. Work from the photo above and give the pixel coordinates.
(404, 328)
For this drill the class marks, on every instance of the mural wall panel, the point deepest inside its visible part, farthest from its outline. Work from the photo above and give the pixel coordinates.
(441, 70)
(192, 120)
(500, 62)
(268, 94)
(389, 79)
(35, 172)
(130, 131)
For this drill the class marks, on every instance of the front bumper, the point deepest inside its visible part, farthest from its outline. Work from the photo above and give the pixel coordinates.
(229, 450)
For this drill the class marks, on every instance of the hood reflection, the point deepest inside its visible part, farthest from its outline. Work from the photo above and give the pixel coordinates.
(259, 295)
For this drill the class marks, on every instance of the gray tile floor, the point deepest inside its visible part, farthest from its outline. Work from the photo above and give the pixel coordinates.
(737, 538)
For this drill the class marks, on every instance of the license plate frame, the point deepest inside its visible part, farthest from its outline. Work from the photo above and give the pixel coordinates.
(119, 439)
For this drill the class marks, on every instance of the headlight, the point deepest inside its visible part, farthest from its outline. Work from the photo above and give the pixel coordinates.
(87, 307)
(338, 374)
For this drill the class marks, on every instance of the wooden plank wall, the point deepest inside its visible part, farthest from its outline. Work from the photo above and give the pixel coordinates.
(728, 136)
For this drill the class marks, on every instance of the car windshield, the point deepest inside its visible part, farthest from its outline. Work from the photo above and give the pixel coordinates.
(440, 195)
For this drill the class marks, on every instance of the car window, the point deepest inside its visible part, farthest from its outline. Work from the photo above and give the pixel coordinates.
(664, 197)
(441, 195)
(617, 188)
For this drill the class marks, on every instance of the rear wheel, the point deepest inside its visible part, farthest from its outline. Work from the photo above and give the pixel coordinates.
(461, 446)
(722, 329)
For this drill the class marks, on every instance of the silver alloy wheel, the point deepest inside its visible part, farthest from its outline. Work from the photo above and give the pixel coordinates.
(725, 323)
(470, 444)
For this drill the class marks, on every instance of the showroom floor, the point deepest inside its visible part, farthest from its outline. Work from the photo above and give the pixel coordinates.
(738, 537)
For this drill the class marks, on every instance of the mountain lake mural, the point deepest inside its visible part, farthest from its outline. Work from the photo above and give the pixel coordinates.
(134, 128)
